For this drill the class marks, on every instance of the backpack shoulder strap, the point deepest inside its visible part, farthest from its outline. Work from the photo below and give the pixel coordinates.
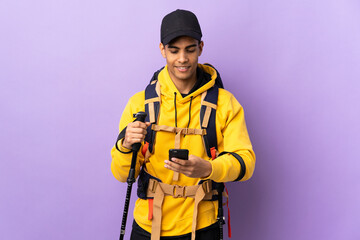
(208, 118)
(152, 108)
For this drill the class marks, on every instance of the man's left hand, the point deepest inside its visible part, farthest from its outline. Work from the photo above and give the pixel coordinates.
(195, 167)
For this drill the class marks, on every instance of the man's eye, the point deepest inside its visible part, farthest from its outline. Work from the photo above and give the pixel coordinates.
(174, 52)
(191, 50)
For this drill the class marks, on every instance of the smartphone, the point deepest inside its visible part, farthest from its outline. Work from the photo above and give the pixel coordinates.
(179, 153)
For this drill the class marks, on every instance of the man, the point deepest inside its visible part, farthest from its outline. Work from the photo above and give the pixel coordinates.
(182, 86)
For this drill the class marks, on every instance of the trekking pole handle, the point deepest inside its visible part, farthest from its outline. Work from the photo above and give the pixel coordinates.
(140, 116)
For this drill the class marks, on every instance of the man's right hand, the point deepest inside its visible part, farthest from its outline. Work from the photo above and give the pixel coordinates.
(135, 133)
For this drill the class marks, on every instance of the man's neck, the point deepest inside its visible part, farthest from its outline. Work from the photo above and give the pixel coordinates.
(184, 86)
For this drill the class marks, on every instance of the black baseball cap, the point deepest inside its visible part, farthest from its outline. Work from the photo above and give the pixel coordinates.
(180, 23)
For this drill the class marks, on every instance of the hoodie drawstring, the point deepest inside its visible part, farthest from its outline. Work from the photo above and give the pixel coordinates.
(175, 110)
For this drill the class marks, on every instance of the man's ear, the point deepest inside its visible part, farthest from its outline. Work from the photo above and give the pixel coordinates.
(162, 50)
(201, 45)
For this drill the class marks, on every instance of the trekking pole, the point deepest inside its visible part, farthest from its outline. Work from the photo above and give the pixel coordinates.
(140, 116)
(221, 218)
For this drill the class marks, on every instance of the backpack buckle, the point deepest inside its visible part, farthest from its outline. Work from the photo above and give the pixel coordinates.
(152, 185)
(206, 186)
(178, 191)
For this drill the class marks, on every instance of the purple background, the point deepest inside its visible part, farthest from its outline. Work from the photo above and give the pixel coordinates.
(67, 69)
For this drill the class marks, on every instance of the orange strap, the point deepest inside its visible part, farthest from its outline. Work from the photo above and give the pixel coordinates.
(150, 215)
(213, 153)
(145, 148)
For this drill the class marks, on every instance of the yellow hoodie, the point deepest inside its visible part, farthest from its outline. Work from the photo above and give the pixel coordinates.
(232, 136)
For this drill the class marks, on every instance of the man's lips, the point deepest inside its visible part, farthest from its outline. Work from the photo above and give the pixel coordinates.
(182, 68)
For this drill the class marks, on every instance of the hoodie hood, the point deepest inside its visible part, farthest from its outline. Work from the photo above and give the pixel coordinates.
(168, 88)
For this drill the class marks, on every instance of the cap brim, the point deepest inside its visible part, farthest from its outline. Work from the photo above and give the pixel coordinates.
(176, 34)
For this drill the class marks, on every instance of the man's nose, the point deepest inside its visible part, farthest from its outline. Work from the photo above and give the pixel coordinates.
(183, 57)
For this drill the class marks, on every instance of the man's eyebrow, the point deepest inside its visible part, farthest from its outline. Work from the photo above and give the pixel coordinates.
(187, 47)
(190, 46)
